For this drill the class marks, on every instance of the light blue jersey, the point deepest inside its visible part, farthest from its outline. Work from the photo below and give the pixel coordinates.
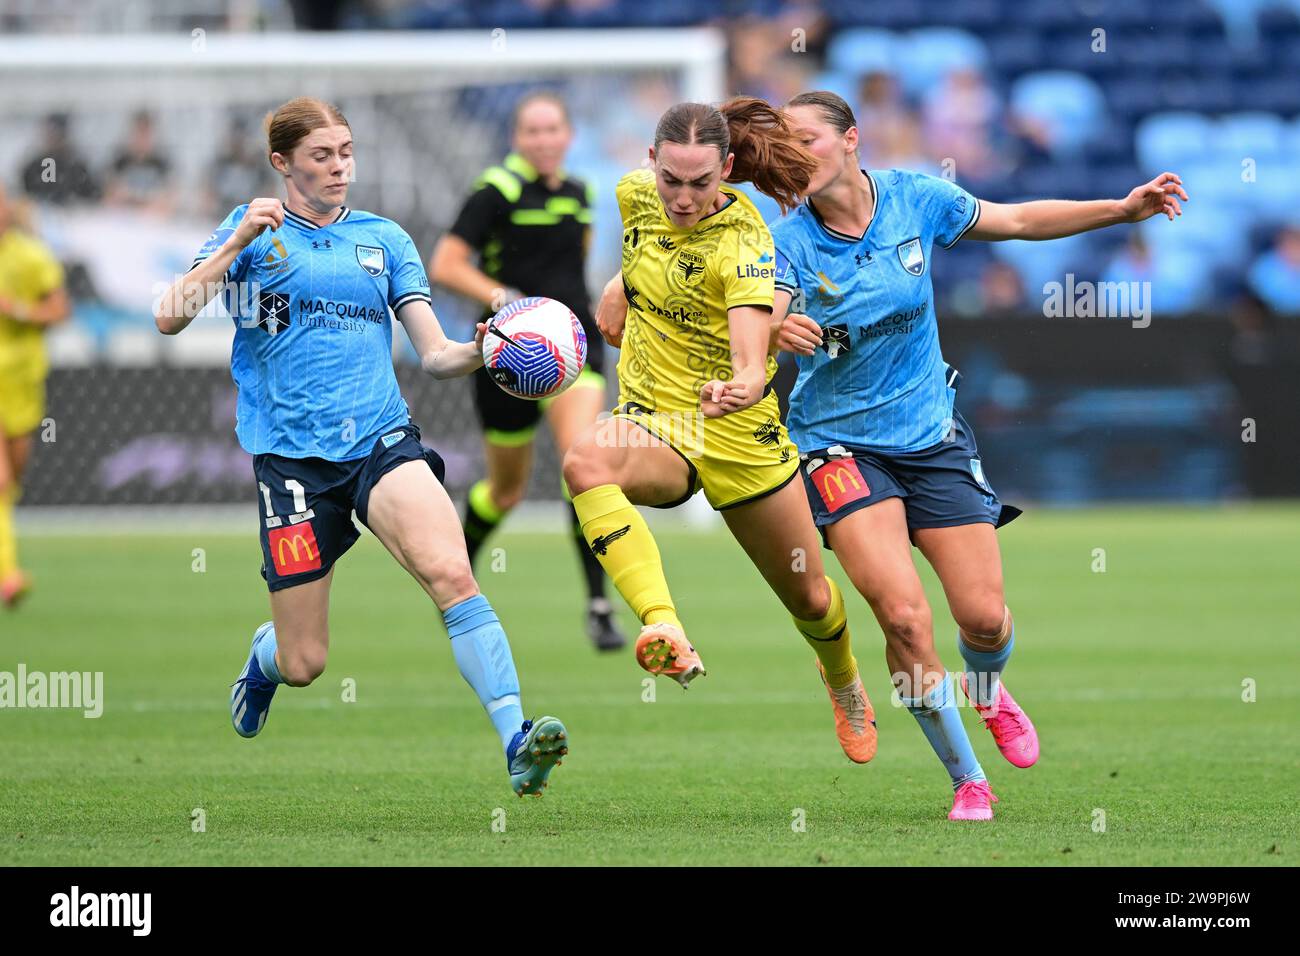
(312, 356)
(879, 380)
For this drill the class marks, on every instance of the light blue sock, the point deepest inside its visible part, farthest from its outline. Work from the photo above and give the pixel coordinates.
(483, 656)
(984, 668)
(940, 721)
(265, 654)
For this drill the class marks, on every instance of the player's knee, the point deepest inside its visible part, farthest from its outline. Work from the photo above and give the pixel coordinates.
(906, 625)
(300, 667)
(445, 575)
(984, 618)
(586, 467)
(812, 600)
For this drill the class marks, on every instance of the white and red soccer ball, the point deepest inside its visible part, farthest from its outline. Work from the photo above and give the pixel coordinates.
(534, 348)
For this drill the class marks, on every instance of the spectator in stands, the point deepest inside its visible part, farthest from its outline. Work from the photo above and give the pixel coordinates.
(238, 174)
(56, 173)
(890, 131)
(1275, 276)
(1001, 289)
(759, 49)
(140, 175)
(960, 119)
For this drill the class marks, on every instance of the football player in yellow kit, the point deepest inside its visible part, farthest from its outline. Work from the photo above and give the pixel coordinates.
(691, 311)
(32, 298)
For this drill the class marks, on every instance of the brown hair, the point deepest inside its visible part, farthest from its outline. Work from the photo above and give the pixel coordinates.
(833, 107)
(542, 96)
(768, 154)
(295, 120)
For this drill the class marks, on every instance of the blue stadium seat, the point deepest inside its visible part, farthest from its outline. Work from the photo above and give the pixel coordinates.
(862, 50)
(1015, 52)
(1070, 104)
(930, 54)
(845, 84)
(1165, 139)
(1240, 18)
(1253, 133)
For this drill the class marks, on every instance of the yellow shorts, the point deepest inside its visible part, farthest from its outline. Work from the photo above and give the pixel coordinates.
(22, 406)
(735, 459)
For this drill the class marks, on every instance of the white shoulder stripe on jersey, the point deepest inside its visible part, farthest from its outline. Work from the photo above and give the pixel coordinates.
(411, 297)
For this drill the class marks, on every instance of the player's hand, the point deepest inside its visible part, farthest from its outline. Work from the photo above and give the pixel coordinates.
(718, 398)
(1161, 195)
(611, 316)
(480, 330)
(260, 214)
(799, 334)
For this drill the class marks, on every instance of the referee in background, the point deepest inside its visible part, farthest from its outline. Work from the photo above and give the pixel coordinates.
(530, 225)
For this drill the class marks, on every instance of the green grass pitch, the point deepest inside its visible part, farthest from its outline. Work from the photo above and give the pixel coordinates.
(1134, 677)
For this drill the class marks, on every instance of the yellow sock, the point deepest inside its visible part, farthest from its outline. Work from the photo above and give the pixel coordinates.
(829, 637)
(8, 543)
(621, 541)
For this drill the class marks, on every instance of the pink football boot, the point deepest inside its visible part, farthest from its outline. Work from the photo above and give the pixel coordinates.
(1010, 726)
(973, 801)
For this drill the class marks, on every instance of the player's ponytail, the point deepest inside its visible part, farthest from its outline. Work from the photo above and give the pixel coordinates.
(833, 107)
(768, 154)
(295, 120)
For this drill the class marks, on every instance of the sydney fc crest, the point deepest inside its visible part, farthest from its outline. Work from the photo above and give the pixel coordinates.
(912, 256)
(371, 258)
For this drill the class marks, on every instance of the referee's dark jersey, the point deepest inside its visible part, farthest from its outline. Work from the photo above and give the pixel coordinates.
(531, 238)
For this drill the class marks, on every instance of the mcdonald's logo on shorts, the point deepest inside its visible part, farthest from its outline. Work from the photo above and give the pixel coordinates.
(840, 482)
(294, 549)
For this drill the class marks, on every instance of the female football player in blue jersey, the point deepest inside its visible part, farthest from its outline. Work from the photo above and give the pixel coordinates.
(310, 283)
(888, 462)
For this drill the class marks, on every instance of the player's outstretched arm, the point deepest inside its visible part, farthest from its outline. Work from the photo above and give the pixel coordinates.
(194, 290)
(748, 329)
(439, 356)
(1057, 218)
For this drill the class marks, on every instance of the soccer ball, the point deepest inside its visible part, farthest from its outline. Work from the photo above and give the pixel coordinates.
(534, 347)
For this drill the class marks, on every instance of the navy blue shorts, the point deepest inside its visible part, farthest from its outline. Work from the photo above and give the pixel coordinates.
(941, 486)
(307, 504)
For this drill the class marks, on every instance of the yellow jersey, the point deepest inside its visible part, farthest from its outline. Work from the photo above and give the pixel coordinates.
(679, 285)
(28, 273)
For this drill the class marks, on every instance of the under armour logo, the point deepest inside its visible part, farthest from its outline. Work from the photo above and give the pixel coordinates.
(861, 257)
(602, 542)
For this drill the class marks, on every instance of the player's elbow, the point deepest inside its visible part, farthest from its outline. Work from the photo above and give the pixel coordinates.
(165, 322)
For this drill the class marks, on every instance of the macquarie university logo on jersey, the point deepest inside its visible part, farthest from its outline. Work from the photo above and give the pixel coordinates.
(371, 258)
(272, 312)
(912, 256)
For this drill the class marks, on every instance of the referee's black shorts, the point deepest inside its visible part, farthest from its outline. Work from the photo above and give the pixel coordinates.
(510, 421)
